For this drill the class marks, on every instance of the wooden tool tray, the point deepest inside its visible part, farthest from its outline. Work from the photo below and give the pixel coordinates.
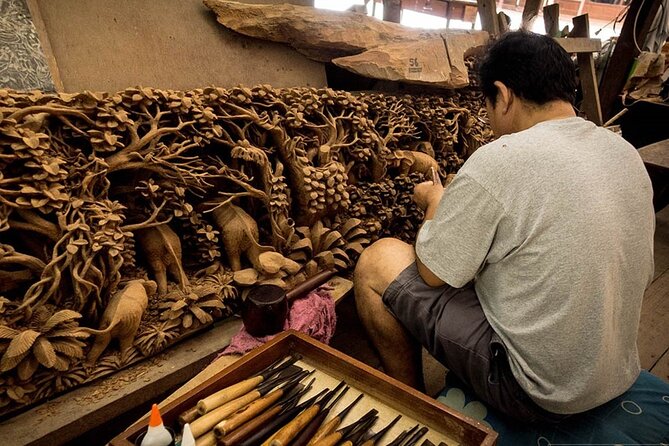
(389, 396)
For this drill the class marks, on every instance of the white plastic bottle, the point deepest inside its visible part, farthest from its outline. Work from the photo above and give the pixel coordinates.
(157, 434)
(187, 438)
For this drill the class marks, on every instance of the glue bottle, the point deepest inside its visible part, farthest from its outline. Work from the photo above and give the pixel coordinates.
(157, 434)
(187, 438)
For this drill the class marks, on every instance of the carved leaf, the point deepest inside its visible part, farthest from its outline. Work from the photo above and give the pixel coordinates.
(201, 315)
(357, 247)
(69, 347)
(298, 256)
(290, 266)
(247, 276)
(304, 243)
(330, 240)
(357, 232)
(350, 224)
(271, 262)
(211, 304)
(62, 364)
(59, 317)
(7, 333)
(27, 368)
(44, 352)
(18, 349)
(325, 259)
(187, 321)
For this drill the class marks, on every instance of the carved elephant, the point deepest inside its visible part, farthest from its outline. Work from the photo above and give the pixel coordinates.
(121, 318)
(162, 249)
(239, 233)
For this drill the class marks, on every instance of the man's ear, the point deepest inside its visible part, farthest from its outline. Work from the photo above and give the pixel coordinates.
(505, 96)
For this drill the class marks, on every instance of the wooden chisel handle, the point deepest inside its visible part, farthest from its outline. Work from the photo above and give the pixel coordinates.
(206, 422)
(368, 443)
(248, 428)
(243, 415)
(347, 443)
(330, 440)
(188, 416)
(290, 430)
(228, 394)
(325, 430)
(208, 439)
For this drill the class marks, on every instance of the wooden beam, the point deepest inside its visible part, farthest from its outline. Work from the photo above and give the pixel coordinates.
(552, 20)
(392, 10)
(580, 45)
(640, 16)
(587, 74)
(488, 14)
(530, 13)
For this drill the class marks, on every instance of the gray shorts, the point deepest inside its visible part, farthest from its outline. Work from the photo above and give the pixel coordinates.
(450, 323)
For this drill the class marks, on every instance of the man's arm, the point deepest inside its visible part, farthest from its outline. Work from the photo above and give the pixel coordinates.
(429, 194)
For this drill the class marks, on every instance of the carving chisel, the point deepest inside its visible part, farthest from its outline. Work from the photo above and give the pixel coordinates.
(287, 433)
(258, 406)
(308, 432)
(334, 423)
(282, 419)
(371, 441)
(236, 390)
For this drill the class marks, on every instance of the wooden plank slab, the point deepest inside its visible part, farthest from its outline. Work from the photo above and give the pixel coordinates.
(653, 337)
(109, 45)
(587, 74)
(662, 244)
(580, 44)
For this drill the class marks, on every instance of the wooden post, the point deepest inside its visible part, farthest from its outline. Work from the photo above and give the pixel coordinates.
(392, 10)
(488, 14)
(530, 13)
(552, 20)
(643, 13)
(586, 73)
(504, 22)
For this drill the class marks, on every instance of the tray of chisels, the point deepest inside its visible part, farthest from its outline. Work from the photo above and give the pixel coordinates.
(295, 391)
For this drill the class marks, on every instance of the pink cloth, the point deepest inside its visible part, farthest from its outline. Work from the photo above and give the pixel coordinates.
(313, 314)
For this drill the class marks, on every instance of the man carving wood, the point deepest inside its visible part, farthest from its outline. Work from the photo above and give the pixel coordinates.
(527, 276)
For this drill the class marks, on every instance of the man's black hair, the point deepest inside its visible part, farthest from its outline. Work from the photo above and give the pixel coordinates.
(535, 67)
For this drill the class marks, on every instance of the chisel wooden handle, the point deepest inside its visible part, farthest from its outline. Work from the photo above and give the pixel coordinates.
(347, 443)
(249, 427)
(206, 422)
(188, 416)
(325, 430)
(290, 430)
(243, 415)
(228, 394)
(209, 439)
(330, 440)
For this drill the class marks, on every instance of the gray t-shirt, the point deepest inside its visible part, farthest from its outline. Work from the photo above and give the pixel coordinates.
(555, 226)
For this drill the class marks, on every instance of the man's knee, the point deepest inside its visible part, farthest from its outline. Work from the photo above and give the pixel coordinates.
(381, 263)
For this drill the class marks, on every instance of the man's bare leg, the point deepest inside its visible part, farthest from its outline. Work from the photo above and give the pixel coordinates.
(377, 267)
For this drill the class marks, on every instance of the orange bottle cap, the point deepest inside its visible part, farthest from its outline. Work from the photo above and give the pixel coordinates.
(155, 419)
